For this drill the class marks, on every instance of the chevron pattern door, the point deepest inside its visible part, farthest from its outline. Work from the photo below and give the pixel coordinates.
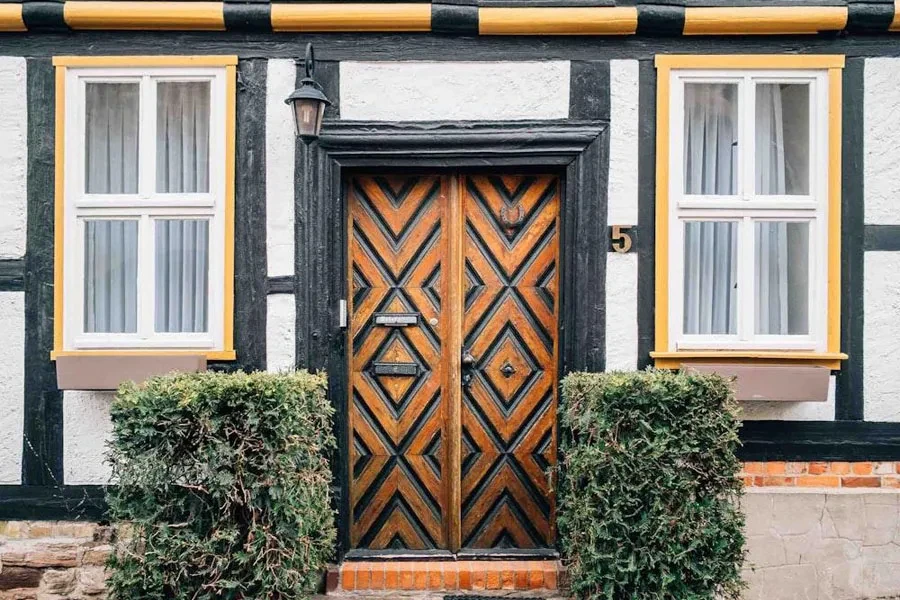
(454, 308)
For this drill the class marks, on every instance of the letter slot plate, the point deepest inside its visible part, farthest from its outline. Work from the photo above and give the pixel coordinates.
(396, 319)
(395, 369)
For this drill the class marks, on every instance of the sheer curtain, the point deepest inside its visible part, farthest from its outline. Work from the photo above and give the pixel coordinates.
(182, 246)
(710, 247)
(781, 270)
(182, 264)
(110, 246)
(110, 271)
(780, 247)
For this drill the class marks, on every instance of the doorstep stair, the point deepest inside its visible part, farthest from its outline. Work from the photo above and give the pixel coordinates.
(446, 575)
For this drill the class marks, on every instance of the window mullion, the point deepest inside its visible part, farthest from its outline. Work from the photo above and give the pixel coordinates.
(146, 280)
(746, 280)
(147, 134)
(747, 155)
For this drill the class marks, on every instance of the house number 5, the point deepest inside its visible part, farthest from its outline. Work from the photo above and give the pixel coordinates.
(621, 238)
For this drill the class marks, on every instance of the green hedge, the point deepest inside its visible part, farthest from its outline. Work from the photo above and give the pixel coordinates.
(649, 493)
(224, 481)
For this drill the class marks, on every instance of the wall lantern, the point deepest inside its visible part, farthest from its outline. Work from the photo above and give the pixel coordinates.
(308, 102)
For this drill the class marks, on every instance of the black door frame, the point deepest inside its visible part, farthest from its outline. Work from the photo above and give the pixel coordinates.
(577, 149)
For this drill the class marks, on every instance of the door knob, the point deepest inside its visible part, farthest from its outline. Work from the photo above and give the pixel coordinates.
(468, 364)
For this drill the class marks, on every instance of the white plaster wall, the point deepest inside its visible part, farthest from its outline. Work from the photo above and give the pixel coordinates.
(86, 429)
(791, 411)
(13, 156)
(882, 130)
(431, 91)
(621, 312)
(12, 385)
(281, 77)
(280, 333)
(623, 142)
(822, 544)
(881, 336)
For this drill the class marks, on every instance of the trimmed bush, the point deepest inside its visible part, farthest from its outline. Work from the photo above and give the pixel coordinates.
(649, 493)
(224, 481)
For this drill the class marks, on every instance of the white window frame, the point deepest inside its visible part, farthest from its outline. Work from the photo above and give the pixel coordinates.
(146, 207)
(746, 207)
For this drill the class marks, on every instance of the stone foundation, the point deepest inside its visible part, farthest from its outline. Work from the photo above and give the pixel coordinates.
(53, 560)
(803, 544)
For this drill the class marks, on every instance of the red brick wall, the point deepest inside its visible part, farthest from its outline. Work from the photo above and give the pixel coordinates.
(822, 474)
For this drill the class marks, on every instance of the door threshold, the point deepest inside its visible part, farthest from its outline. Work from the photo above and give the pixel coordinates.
(446, 555)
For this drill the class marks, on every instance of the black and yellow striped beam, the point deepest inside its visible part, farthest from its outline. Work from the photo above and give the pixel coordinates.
(464, 17)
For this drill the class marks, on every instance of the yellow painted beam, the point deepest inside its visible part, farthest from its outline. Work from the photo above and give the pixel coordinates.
(11, 17)
(557, 21)
(388, 17)
(762, 20)
(137, 15)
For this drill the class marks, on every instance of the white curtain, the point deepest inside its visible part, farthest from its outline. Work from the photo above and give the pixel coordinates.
(781, 248)
(710, 248)
(710, 277)
(110, 270)
(181, 246)
(182, 265)
(182, 137)
(111, 138)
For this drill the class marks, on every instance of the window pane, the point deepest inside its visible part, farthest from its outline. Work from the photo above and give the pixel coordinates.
(782, 278)
(782, 138)
(710, 277)
(182, 275)
(110, 276)
(182, 137)
(710, 138)
(111, 138)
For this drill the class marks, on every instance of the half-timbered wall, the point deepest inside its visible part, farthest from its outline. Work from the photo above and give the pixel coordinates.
(383, 79)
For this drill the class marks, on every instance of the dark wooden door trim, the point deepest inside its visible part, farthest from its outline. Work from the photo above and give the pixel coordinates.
(578, 150)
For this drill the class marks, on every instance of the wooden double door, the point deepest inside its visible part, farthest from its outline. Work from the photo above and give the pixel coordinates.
(453, 360)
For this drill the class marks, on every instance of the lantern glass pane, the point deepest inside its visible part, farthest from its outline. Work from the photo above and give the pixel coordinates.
(308, 116)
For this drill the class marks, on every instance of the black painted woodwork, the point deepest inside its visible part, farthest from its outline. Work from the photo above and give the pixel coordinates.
(646, 240)
(283, 284)
(332, 47)
(250, 262)
(589, 90)
(12, 275)
(882, 237)
(660, 19)
(849, 391)
(247, 15)
(53, 503)
(42, 453)
(454, 17)
(867, 16)
(819, 440)
(44, 15)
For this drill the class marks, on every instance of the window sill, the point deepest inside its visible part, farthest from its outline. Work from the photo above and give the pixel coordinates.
(106, 372)
(673, 360)
(209, 354)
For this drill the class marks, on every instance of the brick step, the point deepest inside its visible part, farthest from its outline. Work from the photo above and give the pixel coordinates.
(447, 575)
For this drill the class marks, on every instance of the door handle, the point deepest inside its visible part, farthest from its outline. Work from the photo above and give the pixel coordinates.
(468, 363)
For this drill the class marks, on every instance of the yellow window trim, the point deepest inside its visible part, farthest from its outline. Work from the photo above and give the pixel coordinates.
(62, 63)
(663, 356)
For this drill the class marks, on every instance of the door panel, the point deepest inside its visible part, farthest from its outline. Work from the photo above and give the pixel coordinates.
(398, 495)
(404, 491)
(509, 408)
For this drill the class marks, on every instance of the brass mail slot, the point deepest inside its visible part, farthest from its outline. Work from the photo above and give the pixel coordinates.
(396, 319)
(395, 369)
